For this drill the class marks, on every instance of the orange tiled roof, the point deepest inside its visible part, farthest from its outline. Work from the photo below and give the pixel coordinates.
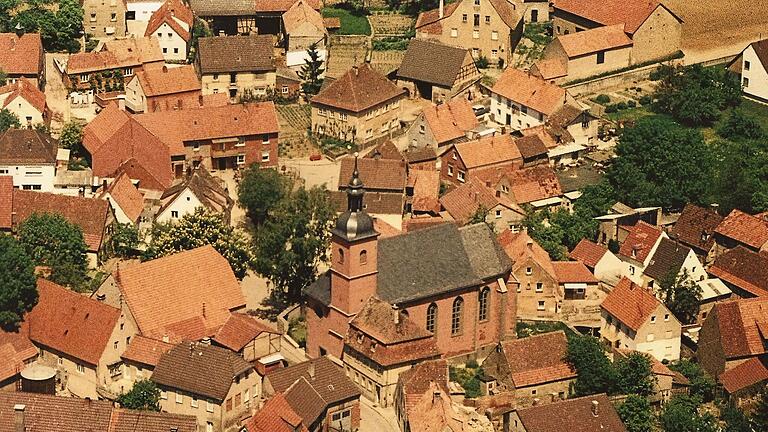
(520, 246)
(420, 222)
(749, 373)
(743, 268)
(281, 5)
(590, 253)
(15, 349)
(744, 228)
(538, 359)
(429, 21)
(426, 190)
(416, 381)
(145, 350)
(573, 415)
(529, 90)
(573, 272)
(533, 184)
(490, 150)
(239, 330)
(641, 239)
(161, 80)
(739, 323)
(125, 194)
(300, 13)
(630, 304)
(26, 90)
(610, 12)
(550, 69)
(384, 229)
(6, 196)
(358, 90)
(695, 227)
(197, 284)
(462, 202)
(171, 12)
(276, 416)
(451, 120)
(594, 40)
(21, 55)
(118, 53)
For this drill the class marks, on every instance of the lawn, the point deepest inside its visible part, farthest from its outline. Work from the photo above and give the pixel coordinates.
(352, 23)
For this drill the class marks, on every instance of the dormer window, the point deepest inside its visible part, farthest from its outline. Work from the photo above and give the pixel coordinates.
(634, 253)
(704, 236)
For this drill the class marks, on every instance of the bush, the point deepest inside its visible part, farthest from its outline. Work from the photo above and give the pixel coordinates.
(602, 99)
(482, 62)
(472, 364)
(646, 100)
(297, 330)
(631, 104)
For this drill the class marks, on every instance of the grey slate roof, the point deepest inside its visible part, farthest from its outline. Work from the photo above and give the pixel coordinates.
(224, 54)
(668, 258)
(432, 62)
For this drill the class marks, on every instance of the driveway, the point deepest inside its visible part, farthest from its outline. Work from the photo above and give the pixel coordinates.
(377, 419)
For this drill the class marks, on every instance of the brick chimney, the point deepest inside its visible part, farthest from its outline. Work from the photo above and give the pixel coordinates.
(311, 370)
(396, 313)
(18, 418)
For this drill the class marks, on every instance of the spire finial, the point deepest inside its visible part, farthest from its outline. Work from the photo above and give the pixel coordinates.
(355, 190)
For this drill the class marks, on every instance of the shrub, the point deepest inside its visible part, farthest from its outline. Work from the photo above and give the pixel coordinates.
(646, 100)
(472, 364)
(482, 62)
(631, 104)
(602, 99)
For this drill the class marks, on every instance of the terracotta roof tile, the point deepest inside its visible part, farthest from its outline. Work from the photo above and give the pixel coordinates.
(145, 350)
(385, 150)
(27, 146)
(520, 246)
(415, 155)
(744, 228)
(533, 184)
(21, 55)
(207, 188)
(171, 12)
(239, 330)
(641, 239)
(90, 214)
(376, 174)
(492, 150)
(276, 416)
(26, 90)
(611, 12)
(531, 146)
(429, 21)
(463, 202)
(550, 69)
(426, 190)
(301, 13)
(118, 53)
(375, 203)
(162, 80)
(236, 54)
(127, 197)
(530, 91)
(421, 222)
(590, 253)
(594, 40)
(384, 229)
(6, 196)
(573, 415)
(538, 359)
(358, 89)
(432, 62)
(630, 304)
(305, 400)
(696, 226)
(573, 272)
(332, 22)
(16, 350)
(743, 268)
(451, 120)
(416, 381)
(203, 287)
(329, 381)
(281, 5)
(749, 373)
(739, 323)
(70, 322)
(668, 258)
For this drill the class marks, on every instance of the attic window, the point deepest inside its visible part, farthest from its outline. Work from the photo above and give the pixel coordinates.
(704, 236)
(330, 387)
(360, 338)
(373, 347)
(66, 332)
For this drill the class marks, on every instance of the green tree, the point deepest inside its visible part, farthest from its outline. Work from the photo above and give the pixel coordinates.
(71, 136)
(293, 241)
(702, 385)
(759, 417)
(260, 190)
(17, 279)
(682, 296)
(200, 228)
(596, 374)
(547, 235)
(124, 241)
(8, 120)
(60, 23)
(3, 76)
(634, 374)
(735, 420)
(311, 72)
(143, 396)
(479, 215)
(740, 125)
(52, 241)
(661, 163)
(636, 414)
(681, 414)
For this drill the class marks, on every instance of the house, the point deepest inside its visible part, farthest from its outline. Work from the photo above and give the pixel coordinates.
(672, 260)
(81, 338)
(745, 381)
(437, 412)
(459, 270)
(437, 72)
(534, 11)
(93, 216)
(423, 191)
(713, 291)
(438, 126)
(537, 295)
(23, 57)
(584, 414)
(740, 229)
(654, 29)
(213, 384)
(248, 337)
(200, 189)
(465, 203)
(319, 392)
(422, 159)
(303, 27)
(566, 134)
(621, 218)
(262, 17)
(744, 271)
(752, 65)
(667, 383)
(26, 101)
(126, 201)
(382, 336)
(463, 160)
(30, 157)
(581, 296)
(137, 15)
(141, 357)
(414, 383)
(606, 267)
(160, 88)
(276, 416)
(731, 335)
(491, 28)
(531, 368)
(35, 411)
(111, 66)
(287, 82)
(521, 100)
(695, 228)
(239, 66)
(537, 186)
(18, 352)
(373, 112)
(192, 305)
(104, 20)
(633, 318)
(638, 249)
(172, 24)
(575, 56)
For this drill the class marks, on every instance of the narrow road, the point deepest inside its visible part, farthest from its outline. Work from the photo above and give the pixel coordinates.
(377, 419)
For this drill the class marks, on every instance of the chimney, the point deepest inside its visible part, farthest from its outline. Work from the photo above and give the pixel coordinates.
(104, 184)
(18, 418)
(436, 393)
(442, 8)
(498, 194)
(355, 69)
(535, 401)
(595, 408)
(200, 100)
(396, 313)
(529, 243)
(206, 341)
(165, 69)
(311, 370)
(221, 33)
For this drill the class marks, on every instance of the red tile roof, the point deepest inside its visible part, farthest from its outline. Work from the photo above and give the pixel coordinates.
(641, 239)
(6, 196)
(169, 12)
(630, 304)
(276, 416)
(420, 222)
(90, 214)
(26, 90)
(71, 323)
(538, 359)
(696, 226)
(520, 247)
(533, 184)
(416, 381)
(376, 174)
(573, 272)
(145, 350)
(451, 120)
(15, 349)
(529, 90)
(573, 415)
(430, 21)
(239, 330)
(21, 55)
(167, 295)
(162, 80)
(463, 202)
(301, 13)
(594, 40)
(743, 268)
(739, 323)
(487, 151)
(426, 190)
(126, 196)
(359, 89)
(611, 12)
(118, 53)
(384, 229)
(744, 228)
(281, 5)
(590, 253)
(27, 146)
(749, 373)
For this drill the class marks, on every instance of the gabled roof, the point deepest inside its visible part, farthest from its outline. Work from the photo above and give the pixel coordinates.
(426, 190)
(431, 22)
(696, 226)
(385, 150)
(301, 13)
(630, 304)
(573, 272)
(531, 146)
(573, 415)
(590, 253)
(451, 120)
(743, 268)
(761, 50)
(594, 40)
(127, 197)
(145, 350)
(205, 187)
(358, 89)
(305, 400)
(70, 322)
(612, 12)
(668, 259)
(276, 416)
(641, 239)
(538, 359)
(744, 228)
(521, 247)
(751, 372)
(16, 350)
(25, 89)
(21, 55)
(529, 90)
(416, 381)
(533, 184)
(437, 412)
(162, 80)
(27, 146)
(432, 62)
(200, 369)
(117, 53)
(239, 330)
(742, 326)
(491, 150)
(171, 12)
(464, 201)
(164, 294)
(377, 174)
(327, 380)
(225, 54)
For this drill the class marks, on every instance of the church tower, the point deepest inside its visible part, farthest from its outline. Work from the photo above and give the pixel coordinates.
(354, 252)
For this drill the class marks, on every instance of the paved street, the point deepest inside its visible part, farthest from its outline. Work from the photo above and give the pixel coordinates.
(377, 419)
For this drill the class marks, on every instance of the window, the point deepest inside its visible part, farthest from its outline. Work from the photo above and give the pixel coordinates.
(170, 35)
(228, 405)
(216, 78)
(209, 406)
(523, 109)
(165, 50)
(455, 155)
(208, 426)
(80, 368)
(241, 159)
(113, 17)
(247, 397)
(477, 2)
(540, 307)
(528, 271)
(463, 17)
(238, 400)
(454, 32)
(485, 295)
(193, 401)
(174, 214)
(476, 20)
(422, 129)
(601, 57)
(264, 139)
(115, 345)
(746, 82)
(746, 64)
(666, 317)
(653, 319)
(128, 71)
(498, 214)
(487, 19)
(494, 54)
(650, 337)
(539, 287)
(175, 50)
(431, 317)
(341, 256)
(475, 34)
(458, 306)
(179, 398)
(460, 176)
(60, 361)
(363, 257)
(85, 77)
(163, 394)
(450, 170)
(632, 270)
(285, 89)
(494, 35)
(93, 16)
(343, 116)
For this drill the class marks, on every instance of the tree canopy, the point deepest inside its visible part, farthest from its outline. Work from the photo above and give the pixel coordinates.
(8, 120)
(311, 72)
(636, 414)
(143, 396)
(18, 287)
(634, 374)
(682, 296)
(59, 22)
(702, 385)
(260, 190)
(681, 414)
(595, 371)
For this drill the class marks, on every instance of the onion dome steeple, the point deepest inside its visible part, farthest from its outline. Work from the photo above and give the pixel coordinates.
(355, 223)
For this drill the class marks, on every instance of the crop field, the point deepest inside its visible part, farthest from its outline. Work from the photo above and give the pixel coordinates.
(390, 24)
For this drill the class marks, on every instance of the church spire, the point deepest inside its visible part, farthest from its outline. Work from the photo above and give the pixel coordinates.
(355, 191)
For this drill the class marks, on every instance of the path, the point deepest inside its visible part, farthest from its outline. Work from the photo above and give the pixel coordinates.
(377, 419)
